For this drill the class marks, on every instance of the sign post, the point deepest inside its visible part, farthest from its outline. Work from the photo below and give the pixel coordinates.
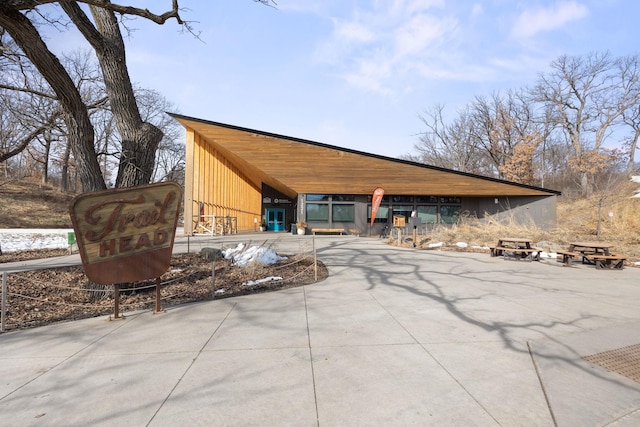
(127, 234)
(416, 221)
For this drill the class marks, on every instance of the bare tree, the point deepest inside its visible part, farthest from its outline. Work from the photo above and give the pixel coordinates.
(631, 118)
(449, 146)
(588, 95)
(607, 168)
(79, 128)
(502, 124)
(140, 139)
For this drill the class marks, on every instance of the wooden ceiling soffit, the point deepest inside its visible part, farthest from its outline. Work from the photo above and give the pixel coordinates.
(297, 166)
(251, 171)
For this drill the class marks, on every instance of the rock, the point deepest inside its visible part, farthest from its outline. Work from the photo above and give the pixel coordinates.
(211, 253)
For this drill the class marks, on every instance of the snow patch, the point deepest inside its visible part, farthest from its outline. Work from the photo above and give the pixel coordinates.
(257, 282)
(243, 256)
(16, 239)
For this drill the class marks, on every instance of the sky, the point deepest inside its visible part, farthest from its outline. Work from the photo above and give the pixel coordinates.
(359, 74)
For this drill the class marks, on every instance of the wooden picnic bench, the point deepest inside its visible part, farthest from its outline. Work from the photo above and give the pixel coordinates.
(595, 253)
(327, 230)
(568, 257)
(530, 254)
(516, 248)
(613, 261)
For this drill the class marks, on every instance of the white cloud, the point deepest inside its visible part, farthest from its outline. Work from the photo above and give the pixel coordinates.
(477, 10)
(371, 75)
(353, 32)
(376, 46)
(414, 6)
(533, 21)
(420, 33)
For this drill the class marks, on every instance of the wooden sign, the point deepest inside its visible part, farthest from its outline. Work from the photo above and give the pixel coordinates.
(126, 234)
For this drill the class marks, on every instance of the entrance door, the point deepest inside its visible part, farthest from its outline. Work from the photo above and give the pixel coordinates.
(275, 219)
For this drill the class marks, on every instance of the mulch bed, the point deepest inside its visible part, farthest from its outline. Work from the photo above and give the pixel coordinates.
(37, 298)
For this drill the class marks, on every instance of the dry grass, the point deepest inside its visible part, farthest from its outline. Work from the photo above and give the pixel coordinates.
(577, 221)
(25, 204)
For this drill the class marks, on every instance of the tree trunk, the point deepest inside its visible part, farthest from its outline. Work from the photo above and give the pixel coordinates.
(64, 178)
(47, 155)
(631, 168)
(76, 117)
(140, 140)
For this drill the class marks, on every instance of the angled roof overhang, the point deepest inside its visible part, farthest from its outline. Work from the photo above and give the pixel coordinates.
(293, 165)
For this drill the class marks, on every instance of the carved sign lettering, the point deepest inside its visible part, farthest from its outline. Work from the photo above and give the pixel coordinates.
(126, 235)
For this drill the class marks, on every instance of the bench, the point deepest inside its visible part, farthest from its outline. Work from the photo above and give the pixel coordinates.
(327, 230)
(612, 261)
(568, 257)
(532, 254)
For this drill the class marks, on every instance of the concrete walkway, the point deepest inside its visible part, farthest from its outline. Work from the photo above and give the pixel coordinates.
(393, 337)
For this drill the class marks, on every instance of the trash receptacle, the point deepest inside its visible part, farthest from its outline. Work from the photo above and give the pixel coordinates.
(294, 229)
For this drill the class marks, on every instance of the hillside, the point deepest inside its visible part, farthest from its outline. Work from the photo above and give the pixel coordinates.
(25, 204)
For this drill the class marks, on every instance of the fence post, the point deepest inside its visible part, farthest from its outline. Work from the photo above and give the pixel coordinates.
(315, 259)
(3, 309)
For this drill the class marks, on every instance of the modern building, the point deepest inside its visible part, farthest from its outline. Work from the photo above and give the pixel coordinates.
(238, 178)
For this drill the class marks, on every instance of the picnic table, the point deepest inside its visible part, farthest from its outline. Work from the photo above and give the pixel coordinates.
(516, 247)
(595, 253)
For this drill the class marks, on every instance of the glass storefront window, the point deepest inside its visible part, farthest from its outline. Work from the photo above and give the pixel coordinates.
(343, 198)
(381, 216)
(428, 214)
(449, 214)
(402, 210)
(385, 199)
(317, 212)
(430, 209)
(455, 200)
(343, 213)
(402, 199)
(426, 199)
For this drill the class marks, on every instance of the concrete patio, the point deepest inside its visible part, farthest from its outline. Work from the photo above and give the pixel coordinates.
(394, 336)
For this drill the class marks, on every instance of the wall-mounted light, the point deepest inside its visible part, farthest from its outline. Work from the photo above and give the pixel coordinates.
(495, 200)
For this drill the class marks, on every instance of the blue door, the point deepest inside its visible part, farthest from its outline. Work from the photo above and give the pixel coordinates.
(275, 219)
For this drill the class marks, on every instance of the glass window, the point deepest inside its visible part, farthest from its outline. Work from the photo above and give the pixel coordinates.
(343, 213)
(317, 197)
(344, 198)
(450, 200)
(428, 214)
(402, 199)
(381, 216)
(317, 212)
(385, 199)
(426, 199)
(403, 210)
(449, 214)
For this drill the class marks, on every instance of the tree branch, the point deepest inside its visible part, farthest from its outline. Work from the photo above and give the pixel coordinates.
(30, 137)
(82, 22)
(27, 90)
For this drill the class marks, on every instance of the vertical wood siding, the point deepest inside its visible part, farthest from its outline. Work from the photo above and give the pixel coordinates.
(218, 184)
